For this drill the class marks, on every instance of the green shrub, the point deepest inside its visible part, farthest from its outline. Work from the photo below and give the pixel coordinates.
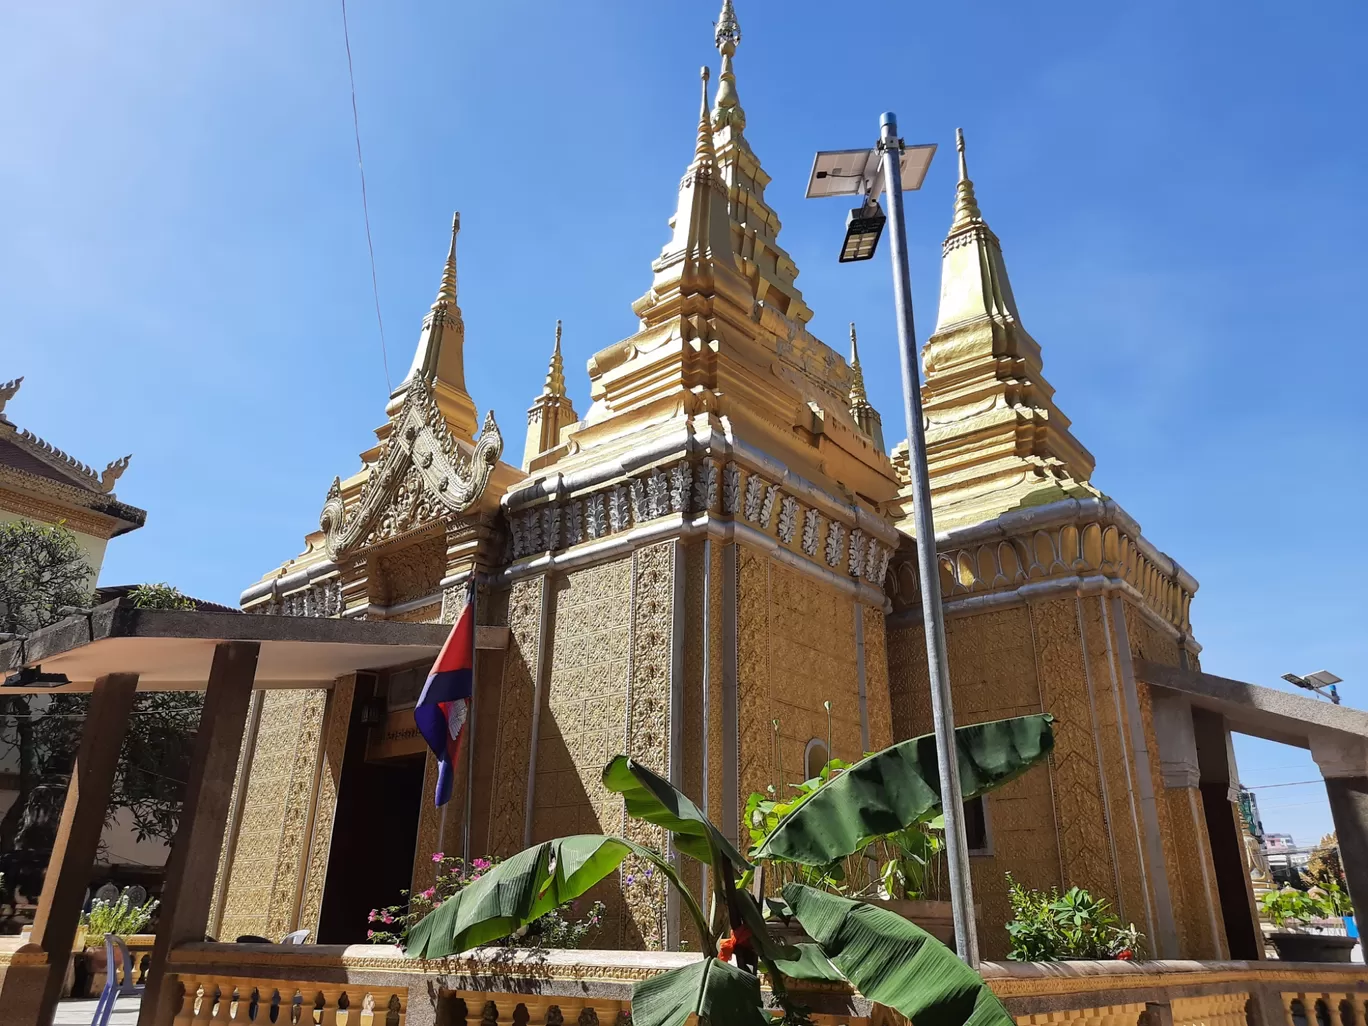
(159, 596)
(560, 928)
(120, 917)
(1052, 927)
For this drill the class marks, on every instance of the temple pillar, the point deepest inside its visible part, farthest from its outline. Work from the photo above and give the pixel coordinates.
(1196, 905)
(1220, 806)
(1343, 762)
(193, 862)
(78, 837)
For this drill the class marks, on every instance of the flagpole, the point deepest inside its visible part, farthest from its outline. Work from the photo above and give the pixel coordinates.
(470, 725)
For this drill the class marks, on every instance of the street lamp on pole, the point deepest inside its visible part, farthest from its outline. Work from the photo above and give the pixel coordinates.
(891, 166)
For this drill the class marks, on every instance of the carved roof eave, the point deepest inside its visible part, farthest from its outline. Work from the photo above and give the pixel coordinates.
(454, 478)
(126, 518)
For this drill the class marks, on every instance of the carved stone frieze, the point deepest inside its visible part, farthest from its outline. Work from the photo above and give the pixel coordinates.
(812, 528)
(835, 543)
(422, 474)
(731, 488)
(705, 487)
(322, 598)
(755, 488)
(788, 518)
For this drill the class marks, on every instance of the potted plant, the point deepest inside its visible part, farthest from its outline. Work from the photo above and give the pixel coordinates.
(119, 917)
(886, 958)
(1054, 927)
(1299, 917)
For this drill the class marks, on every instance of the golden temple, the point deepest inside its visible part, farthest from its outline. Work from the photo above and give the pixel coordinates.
(688, 572)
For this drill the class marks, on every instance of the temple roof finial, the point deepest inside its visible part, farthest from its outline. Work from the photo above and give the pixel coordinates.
(727, 36)
(858, 397)
(966, 205)
(447, 292)
(705, 155)
(555, 376)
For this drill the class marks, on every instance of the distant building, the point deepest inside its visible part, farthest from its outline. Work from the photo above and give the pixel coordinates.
(40, 482)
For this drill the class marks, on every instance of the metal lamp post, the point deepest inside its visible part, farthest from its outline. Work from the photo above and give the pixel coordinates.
(892, 167)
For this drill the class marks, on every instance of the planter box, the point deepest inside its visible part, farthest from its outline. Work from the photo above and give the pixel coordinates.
(1312, 947)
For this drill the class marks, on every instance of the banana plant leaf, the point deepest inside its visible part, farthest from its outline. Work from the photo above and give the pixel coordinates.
(656, 800)
(716, 991)
(896, 963)
(811, 964)
(520, 890)
(892, 789)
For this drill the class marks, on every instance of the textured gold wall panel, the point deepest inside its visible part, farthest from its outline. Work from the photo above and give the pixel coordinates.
(262, 896)
(876, 680)
(508, 809)
(1082, 815)
(584, 712)
(1134, 903)
(336, 723)
(648, 731)
(796, 650)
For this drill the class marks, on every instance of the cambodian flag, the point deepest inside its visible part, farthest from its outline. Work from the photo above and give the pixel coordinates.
(443, 709)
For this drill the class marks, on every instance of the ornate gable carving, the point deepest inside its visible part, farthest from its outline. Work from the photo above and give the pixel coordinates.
(422, 474)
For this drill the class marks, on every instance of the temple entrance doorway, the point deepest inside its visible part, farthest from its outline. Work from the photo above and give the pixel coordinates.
(375, 831)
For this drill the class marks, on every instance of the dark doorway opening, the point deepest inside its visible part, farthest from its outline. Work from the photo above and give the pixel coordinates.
(374, 833)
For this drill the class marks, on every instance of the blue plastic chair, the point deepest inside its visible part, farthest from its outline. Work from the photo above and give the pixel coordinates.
(114, 987)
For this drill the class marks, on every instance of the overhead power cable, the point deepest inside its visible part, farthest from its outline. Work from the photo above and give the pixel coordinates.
(365, 207)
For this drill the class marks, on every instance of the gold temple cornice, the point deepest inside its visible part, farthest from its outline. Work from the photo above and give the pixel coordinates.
(422, 457)
(1062, 545)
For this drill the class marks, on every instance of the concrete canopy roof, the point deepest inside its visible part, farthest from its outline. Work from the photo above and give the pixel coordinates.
(170, 650)
(1261, 712)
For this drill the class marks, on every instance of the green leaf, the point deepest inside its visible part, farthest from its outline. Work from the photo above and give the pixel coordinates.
(654, 799)
(519, 890)
(716, 991)
(892, 789)
(764, 943)
(811, 964)
(896, 963)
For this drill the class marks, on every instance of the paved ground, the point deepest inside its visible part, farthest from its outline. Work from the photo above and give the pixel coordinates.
(79, 1013)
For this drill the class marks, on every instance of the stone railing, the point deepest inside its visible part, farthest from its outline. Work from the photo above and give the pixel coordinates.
(367, 985)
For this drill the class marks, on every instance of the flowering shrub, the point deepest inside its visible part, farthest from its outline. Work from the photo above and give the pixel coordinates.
(1053, 927)
(562, 927)
(119, 917)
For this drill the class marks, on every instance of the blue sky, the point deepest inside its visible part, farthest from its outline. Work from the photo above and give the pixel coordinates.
(183, 269)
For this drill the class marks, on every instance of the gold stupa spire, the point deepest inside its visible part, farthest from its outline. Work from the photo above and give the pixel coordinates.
(551, 412)
(705, 156)
(857, 386)
(966, 205)
(439, 358)
(866, 418)
(446, 292)
(555, 376)
(727, 36)
(995, 438)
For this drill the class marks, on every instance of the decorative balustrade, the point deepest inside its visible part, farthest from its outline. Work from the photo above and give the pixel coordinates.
(367, 985)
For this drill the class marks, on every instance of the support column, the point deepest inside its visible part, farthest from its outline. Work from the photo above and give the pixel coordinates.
(190, 869)
(1219, 784)
(78, 837)
(1343, 761)
(1195, 902)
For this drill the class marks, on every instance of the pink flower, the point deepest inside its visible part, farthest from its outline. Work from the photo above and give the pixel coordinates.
(437, 856)
(387, 918)
(482, 864)
(370, 934)
(429, 892)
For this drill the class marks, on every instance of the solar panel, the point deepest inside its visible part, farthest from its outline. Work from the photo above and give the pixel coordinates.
(851, 172)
